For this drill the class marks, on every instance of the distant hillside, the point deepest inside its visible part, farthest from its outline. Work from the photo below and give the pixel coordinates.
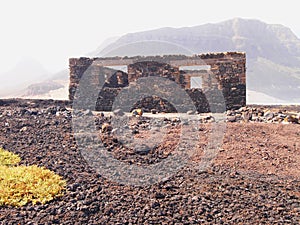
(274, 42)
(24, 73)
(273, 51)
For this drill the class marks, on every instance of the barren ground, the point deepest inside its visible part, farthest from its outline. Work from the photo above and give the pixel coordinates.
(255, 178)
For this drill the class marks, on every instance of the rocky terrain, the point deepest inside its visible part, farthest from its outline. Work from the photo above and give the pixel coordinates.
(254, 178)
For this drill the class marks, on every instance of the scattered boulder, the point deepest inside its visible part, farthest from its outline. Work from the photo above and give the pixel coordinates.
(246, 116)
(231, 118)
(87, 112)
(137, 112)
(269, 115)
(190, 112)
(142, 149)
(118, 112)
(23, 129)
(291, 119)
(153, 111)
(106, 127)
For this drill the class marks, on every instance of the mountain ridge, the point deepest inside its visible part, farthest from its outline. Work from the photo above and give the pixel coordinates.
(275, 43)
(254, 37)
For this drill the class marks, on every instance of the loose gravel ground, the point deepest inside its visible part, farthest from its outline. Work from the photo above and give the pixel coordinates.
(253, 180)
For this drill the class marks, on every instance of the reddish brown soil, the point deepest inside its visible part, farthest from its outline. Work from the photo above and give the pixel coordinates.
(272, 149)
(269, 149)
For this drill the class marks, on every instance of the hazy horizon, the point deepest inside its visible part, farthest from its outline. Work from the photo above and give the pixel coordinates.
(50, 32)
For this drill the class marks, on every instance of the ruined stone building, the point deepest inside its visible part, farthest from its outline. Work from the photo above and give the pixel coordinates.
(197, 75)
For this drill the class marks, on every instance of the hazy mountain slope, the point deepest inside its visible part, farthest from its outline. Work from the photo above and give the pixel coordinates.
(272, 50)
(55, 87)
(280, 81)
(24, 73)
(274, 42)
(103, 45)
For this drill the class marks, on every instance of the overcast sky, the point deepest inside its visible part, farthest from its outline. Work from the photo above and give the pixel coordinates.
(51, 31)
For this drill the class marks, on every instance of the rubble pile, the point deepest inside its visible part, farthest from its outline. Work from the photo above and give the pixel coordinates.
(264, 114)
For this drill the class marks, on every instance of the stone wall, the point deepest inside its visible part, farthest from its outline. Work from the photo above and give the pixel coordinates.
(226, 72)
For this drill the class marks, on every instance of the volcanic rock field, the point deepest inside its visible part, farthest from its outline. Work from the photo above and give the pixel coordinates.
(254, 178)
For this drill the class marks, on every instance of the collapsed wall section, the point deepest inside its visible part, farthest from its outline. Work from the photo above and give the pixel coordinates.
(197, 75)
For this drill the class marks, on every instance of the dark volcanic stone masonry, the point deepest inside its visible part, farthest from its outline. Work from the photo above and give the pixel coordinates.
(216, 72)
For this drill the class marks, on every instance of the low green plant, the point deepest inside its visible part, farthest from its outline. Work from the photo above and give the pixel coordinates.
(20, 185)
(8, 158)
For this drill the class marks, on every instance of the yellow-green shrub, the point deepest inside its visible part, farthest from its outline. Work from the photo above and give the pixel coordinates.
(20, 185)
(8, 158)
